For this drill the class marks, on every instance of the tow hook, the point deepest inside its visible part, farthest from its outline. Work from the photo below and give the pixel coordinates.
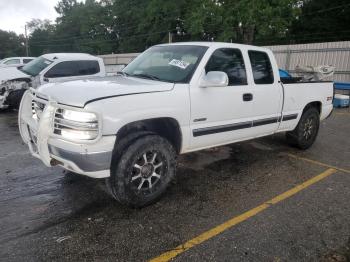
(55, 162)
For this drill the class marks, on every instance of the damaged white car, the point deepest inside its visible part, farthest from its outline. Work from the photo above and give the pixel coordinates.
(48, 68)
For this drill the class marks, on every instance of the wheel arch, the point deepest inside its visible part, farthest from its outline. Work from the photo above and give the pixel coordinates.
(314, 104)
(166, 127)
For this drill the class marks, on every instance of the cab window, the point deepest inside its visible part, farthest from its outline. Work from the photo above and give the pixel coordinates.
(261, 66)
(12, 62)
(26, 60)
(230, 61)
(73, 68)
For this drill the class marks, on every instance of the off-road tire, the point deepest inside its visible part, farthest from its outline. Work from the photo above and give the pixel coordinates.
(14, 98)
(304, 135)
(132, 177)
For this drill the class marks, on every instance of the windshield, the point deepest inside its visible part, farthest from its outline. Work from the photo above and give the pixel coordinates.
(173, 63)
(35, 66)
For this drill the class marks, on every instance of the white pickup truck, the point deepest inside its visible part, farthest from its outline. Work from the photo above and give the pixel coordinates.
(48, 68)
(172, 99)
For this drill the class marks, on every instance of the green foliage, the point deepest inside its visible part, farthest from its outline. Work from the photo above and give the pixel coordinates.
(321, 21)
(106, 26)
(11, 44)
(243, 21)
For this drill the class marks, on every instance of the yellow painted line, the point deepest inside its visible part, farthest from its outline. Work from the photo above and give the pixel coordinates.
(343, 114)
(318, 163)
(238, 219)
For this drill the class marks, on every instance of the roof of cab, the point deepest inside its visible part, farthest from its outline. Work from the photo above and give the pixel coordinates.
(70, 56)
(217, 44)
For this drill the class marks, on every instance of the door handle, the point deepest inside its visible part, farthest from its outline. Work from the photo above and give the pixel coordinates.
(247, 97)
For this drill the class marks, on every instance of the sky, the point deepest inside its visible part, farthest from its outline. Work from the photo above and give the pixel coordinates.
(15, 13)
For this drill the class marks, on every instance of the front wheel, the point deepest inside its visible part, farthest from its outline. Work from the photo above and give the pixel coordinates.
(14, 98)
(304, 135)
(143, 171)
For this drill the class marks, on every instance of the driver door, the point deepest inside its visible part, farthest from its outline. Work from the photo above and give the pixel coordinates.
(221, 115)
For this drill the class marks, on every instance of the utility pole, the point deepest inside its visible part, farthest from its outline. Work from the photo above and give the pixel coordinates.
(170, 37)
(26, 36)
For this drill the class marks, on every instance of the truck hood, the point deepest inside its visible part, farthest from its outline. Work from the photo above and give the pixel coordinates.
(80, 92)
(9, 73)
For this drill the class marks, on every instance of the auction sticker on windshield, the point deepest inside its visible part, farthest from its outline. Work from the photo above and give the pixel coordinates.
(179, 63)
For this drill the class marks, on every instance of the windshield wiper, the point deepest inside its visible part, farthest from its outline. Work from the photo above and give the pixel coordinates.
(146, 76)
(122, 73)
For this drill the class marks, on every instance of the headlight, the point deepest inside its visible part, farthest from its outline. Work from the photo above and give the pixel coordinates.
(76, 125)
(78, 135)
(79, 116)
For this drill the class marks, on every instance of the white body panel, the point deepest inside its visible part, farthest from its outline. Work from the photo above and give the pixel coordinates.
(7, 73)
(297, 96)
(198, 110)
(82, 91)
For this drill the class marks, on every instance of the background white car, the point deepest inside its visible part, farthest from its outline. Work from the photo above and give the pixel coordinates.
(48, 68)
(15, 61)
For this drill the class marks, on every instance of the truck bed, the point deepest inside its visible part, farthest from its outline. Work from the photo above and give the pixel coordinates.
(298, 80)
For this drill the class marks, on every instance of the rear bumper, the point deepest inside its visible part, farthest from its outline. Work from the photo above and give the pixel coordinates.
(330, 114)
(326, 111)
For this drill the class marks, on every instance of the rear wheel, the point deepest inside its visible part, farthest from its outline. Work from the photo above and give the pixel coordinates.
(304, 135)
(143, 171)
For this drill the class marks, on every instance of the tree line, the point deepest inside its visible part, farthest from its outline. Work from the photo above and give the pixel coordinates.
(120, 26)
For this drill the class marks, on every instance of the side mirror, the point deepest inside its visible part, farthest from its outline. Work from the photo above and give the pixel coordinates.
(214, 79)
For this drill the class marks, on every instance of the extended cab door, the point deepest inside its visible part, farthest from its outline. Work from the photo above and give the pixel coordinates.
(71, 70)
(220, 115)
(268, 93)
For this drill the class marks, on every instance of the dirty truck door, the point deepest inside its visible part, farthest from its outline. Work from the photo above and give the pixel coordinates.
(222, 115)
(268, 93)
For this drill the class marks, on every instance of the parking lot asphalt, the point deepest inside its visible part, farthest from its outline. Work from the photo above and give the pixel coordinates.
(48, 214)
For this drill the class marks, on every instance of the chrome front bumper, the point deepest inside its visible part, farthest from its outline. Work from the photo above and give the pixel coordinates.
(93, 159)
(87, 162)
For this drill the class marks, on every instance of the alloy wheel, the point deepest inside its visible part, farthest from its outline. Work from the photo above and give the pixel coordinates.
(147, 171)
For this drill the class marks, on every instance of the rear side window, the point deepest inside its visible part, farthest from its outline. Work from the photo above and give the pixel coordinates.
(12, 62)
(88, 67)
(261, 66)
(74, 68)
(63, 69)
(25, 61)
(231, 62)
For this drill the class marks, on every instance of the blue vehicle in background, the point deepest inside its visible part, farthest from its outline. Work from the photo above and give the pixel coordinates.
(284, 73)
